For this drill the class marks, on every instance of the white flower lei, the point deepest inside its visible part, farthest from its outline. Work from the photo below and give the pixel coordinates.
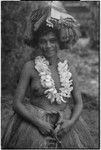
(41, 65)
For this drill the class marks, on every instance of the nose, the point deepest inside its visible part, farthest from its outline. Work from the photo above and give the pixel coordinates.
(48, 44)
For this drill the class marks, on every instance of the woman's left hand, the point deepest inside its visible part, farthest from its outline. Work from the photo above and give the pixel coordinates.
(64, 127)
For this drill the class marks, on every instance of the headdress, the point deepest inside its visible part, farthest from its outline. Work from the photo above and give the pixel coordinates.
(54, 15)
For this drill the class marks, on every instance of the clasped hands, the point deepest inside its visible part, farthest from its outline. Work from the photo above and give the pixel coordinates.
(62, 127)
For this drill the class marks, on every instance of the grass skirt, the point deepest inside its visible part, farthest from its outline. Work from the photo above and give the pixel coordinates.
(22, 134)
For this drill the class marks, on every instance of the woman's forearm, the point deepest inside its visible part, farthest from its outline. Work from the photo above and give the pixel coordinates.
(27, 111)
(76, 112)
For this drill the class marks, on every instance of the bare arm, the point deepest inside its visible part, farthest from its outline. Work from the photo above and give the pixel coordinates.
(18, 106)
(67, 124)
(77, 97)
(27, 110)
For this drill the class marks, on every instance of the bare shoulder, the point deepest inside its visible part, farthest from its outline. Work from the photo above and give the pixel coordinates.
(76, 84)
(28, 67)
(72, 68)
(74, 72)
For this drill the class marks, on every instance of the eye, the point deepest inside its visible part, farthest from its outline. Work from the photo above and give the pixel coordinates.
(53, 40)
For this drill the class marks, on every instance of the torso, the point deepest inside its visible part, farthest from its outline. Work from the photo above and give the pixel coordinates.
(38, 98)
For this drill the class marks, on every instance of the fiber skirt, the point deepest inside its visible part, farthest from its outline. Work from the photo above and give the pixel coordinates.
(22, 134)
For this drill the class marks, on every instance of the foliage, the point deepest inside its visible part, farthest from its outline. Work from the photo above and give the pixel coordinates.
(90, 24)
(14, 52)
(95, 24)
(14, 17)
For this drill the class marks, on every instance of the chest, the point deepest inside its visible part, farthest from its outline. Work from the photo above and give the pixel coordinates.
(36, 80)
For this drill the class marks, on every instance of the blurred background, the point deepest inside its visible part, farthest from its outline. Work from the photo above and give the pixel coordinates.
(84, 53)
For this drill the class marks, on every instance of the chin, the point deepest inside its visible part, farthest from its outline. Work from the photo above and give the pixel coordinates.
(51, 54)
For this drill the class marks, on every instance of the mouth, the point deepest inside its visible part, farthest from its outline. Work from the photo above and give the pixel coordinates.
(52, 52)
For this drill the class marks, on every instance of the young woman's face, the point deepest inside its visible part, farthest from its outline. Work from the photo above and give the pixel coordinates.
(49, 44)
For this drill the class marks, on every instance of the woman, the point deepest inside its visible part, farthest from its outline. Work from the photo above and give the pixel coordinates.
(51, 119)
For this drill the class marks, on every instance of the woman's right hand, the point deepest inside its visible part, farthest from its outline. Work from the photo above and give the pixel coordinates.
(45, 128)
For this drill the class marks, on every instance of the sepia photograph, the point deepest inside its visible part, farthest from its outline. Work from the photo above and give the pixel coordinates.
(50, 74)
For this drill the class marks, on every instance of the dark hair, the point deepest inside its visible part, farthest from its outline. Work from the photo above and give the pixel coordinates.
(43, 29)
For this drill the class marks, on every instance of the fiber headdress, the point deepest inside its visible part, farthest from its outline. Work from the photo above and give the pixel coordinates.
(54, 15)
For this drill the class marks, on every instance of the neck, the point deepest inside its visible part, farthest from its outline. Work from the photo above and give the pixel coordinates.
(52, 60)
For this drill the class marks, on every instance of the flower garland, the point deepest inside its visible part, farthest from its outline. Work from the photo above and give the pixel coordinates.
(41, 65)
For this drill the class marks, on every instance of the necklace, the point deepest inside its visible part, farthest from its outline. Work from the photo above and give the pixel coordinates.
(42, 66)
